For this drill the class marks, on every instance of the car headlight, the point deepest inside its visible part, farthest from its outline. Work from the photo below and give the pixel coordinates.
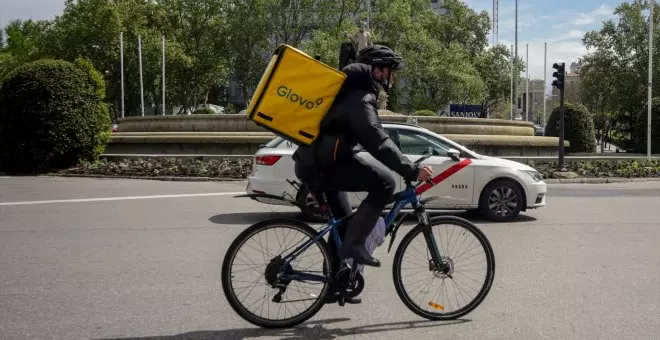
(534, 175)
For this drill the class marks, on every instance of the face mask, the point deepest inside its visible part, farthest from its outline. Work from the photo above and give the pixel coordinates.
(385, 84)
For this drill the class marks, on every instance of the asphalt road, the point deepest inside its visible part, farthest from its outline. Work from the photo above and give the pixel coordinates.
(100, 259)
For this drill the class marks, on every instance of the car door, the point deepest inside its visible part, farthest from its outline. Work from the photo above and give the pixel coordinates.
(456, 186)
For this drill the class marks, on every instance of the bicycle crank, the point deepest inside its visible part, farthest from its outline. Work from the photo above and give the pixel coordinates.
(349, 282)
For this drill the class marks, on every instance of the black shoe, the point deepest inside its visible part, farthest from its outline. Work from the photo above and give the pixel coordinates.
(359, 255)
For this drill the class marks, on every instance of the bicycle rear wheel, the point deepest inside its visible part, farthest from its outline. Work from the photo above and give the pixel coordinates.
(467, 258)
(251, 266)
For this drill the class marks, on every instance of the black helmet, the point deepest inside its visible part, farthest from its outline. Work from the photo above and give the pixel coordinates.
(380, 56)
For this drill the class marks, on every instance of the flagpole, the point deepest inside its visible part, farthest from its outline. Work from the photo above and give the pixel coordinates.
(163, 74)
(545, 71)
(527, 90)
(517, 77)
(650, 94)
(511, 98)
(141, 80)
(121, 63)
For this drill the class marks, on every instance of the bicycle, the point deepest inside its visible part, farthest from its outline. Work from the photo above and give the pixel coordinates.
(280, 276)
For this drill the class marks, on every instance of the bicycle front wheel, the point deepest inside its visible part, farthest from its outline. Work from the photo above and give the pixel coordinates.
(252, 271)
(447, 293)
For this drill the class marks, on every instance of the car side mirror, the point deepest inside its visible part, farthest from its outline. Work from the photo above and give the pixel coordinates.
(454, 154)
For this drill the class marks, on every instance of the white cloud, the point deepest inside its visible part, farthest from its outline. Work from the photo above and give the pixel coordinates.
(564, 40)
(603, 10)
(584, 19)
(575, 34)
(566, 51)
(591, 17)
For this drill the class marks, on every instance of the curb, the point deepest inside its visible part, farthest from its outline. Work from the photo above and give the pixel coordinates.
(602, 180)
(153, 178)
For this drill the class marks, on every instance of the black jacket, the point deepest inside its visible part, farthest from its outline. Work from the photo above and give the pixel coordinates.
(353, 119)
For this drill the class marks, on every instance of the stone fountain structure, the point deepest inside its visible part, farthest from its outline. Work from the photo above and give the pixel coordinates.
(235, 134)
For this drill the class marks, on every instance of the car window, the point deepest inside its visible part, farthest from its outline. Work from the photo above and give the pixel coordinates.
(415, 143)
(274, 142)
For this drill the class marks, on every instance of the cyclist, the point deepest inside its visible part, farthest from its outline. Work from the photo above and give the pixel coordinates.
(330, 164)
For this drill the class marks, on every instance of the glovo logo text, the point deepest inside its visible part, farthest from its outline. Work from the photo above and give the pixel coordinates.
(288, 94)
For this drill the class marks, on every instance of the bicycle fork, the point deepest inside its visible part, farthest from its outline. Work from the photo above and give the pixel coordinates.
(436, 263)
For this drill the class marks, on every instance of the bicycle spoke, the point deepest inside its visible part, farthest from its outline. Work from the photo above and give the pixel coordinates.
(255, 294)
(447, 289)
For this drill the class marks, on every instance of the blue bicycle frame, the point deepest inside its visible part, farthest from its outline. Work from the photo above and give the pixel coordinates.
(400, 199)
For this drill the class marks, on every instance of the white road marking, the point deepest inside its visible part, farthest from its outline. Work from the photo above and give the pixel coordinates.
(101, 199)
(4, 177)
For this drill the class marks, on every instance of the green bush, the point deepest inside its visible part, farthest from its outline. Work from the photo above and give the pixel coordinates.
(578, 128)
(427, 113)
(240, 169)
(639, 136)
(214, 168)
(52, 116)
(603, 168)
(203, 111)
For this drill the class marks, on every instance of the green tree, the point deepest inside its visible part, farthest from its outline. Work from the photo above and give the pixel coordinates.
(210, 42)
(249, 49)
(24, 38)
(614, 75)
(291, 20)
(335, 19)
(197, 28)
(494, 67)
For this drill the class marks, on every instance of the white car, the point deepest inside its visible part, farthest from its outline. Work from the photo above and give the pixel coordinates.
(498, 188)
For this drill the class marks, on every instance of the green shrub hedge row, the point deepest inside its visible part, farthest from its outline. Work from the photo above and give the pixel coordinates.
(241, 168)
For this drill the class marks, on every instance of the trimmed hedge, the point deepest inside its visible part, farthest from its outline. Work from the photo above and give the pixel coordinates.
(425, 113)
(165, 167)
(579, 128)
(203, 111)
(52, 116)
(603, 168)
(240, 169)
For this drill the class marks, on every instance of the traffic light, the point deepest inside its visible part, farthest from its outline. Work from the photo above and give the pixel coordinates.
(559, 74)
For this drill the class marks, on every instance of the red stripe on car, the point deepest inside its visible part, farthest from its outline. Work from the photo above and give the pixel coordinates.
(444, 175)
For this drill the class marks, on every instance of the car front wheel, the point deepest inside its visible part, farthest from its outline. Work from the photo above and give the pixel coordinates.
(501, 200)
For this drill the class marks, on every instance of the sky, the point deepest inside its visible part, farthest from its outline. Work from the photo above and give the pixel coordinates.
(560, 23)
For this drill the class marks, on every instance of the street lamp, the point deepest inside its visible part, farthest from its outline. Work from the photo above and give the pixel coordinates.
(650, 95)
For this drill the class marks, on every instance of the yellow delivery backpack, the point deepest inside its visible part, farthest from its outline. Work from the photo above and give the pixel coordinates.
(294, 94)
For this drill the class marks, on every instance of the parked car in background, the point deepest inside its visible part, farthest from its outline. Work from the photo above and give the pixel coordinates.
(499, 189)
(539, 130)
(217, 109)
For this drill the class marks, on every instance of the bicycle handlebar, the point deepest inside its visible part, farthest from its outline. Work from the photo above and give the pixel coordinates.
(423, 158)
(427, 154)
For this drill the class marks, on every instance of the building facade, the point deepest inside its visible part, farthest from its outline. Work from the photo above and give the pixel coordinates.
(535, 97)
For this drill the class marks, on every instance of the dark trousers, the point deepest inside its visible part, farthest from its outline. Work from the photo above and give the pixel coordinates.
(351, 175)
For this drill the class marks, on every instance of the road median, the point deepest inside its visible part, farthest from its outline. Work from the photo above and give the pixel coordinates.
(232, 169)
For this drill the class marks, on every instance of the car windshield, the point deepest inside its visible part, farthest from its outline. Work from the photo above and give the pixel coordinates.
(274, 142)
